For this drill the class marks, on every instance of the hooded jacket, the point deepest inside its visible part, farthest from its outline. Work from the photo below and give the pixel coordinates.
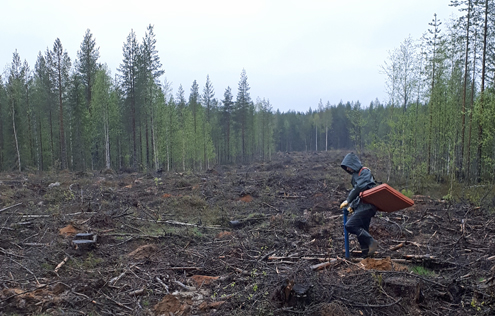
(361, 179)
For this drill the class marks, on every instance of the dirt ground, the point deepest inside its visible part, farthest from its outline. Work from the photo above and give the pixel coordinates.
(259, 239)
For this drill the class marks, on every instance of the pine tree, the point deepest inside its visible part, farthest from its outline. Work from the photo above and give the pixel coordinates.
(467, 39)
(80, 123)
(128, 77)
(60, 64)
(28, 91)
(488, 10)
(3, 115)
(42, 99)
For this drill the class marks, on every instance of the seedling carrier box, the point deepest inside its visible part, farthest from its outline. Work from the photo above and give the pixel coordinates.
(386, 198)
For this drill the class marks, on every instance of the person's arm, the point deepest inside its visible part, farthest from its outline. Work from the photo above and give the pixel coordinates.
(362, 183)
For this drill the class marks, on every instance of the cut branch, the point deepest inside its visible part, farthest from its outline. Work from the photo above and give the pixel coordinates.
(321, 266)
(61, 264)
(162, 284)
(9, 207)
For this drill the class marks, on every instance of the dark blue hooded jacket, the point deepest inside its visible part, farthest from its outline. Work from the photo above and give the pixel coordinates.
(361, 179)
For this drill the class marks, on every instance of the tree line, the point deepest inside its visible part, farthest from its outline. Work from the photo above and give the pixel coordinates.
(441, 95)
(438, 119)
(75, 115)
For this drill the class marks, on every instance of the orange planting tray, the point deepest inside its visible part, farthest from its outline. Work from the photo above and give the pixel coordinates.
(386, 198)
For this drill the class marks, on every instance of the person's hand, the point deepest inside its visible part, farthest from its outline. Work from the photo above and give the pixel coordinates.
(344, 204)
(350, 210)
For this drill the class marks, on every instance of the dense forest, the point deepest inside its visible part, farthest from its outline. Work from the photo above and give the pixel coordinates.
(439, 119)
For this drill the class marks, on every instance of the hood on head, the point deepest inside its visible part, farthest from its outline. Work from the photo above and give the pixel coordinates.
(352, 161)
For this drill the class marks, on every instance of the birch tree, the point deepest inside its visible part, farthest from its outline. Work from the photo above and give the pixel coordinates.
(104, 107)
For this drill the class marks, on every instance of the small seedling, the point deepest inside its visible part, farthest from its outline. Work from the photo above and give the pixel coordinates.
(253, 273)
(419, 270)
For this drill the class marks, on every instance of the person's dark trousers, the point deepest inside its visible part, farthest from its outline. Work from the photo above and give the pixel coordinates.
(359, 224)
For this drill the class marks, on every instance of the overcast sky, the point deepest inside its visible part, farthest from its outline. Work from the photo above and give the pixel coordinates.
(294, 52)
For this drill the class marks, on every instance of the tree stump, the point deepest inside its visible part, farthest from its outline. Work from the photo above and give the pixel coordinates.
(293, 294)
(405, 288)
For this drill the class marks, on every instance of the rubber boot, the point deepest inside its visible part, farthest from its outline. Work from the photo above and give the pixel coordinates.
(365, 239)
(372, 247)
(364, 248)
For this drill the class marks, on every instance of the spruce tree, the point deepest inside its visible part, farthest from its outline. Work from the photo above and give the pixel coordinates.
(183, 120)
(488, 11)
(87, 64)
(150, 73)
(208, 98)
(226, 113)
(243, 105)
(42, 99)
(195, 107)
(434, 41)
(209, 103)
(80, 122)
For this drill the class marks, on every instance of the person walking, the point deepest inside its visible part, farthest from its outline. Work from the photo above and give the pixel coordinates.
(359, 222)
